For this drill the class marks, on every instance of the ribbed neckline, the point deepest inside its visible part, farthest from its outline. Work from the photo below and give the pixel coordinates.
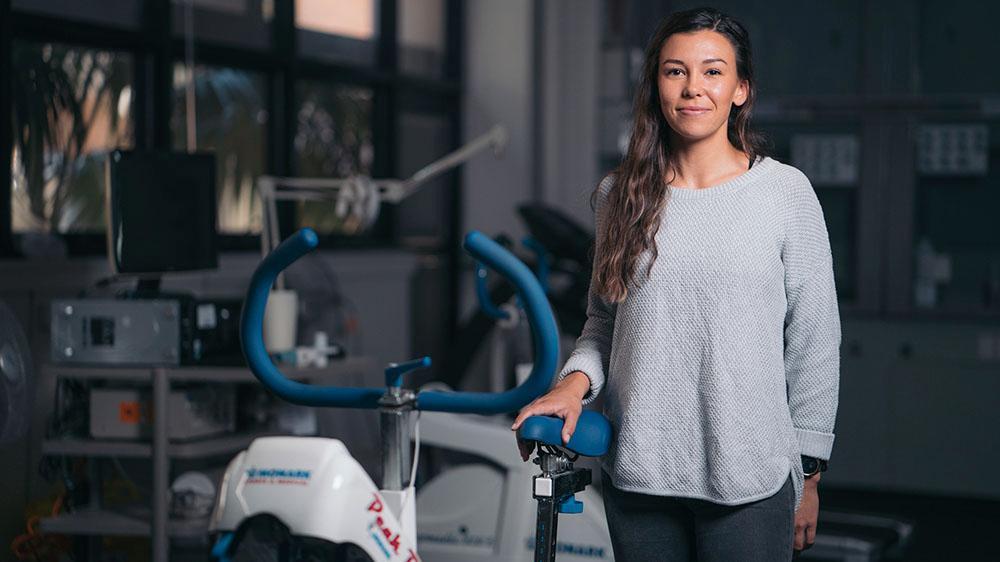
(760, 166)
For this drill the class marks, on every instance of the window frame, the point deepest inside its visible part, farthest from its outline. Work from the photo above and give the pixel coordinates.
(155, 50)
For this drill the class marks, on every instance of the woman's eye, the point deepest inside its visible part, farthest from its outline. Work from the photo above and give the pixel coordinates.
(715, 71)
(673, 71)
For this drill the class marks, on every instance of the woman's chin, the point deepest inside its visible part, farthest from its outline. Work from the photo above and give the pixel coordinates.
(690, 137)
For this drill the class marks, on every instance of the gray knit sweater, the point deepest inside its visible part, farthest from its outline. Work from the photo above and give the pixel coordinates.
(722, 367)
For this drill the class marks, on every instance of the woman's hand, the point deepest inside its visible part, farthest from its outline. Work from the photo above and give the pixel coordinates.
(565, 401)
(807, 514)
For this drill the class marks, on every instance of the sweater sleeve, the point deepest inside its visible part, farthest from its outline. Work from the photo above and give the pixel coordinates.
(593, 348)
(812, 324)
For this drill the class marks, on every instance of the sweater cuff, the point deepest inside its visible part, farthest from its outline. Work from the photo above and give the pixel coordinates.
(815, 443)
(590, 367)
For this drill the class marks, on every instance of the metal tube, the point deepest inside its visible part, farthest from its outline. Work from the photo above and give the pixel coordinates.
(496, 138)
(96, 502)
(161, 390)
(545, 530)
(391, 190)
(395, 447)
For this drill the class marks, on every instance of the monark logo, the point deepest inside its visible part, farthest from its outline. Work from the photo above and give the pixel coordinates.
(582, 550)
(277, 476)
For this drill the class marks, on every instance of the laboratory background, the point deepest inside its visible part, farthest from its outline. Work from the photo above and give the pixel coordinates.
(154, 152)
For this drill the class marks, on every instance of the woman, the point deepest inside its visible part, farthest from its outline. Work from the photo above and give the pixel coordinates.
(713, 324)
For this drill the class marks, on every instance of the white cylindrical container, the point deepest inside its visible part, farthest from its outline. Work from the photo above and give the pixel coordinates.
(280, 318)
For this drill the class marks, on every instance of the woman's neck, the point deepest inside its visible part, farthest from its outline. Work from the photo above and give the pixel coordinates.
(704, 164)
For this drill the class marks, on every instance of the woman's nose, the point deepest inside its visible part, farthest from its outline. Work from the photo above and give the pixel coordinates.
(692, 87)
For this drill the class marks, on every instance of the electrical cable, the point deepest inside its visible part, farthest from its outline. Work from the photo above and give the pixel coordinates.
(411, 491)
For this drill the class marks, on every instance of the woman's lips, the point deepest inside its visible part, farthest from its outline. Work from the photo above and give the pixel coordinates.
(692, 111)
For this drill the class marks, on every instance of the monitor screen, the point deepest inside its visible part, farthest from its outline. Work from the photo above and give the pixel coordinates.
(161, 211)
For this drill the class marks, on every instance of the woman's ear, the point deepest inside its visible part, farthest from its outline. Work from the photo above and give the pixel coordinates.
(742, 91)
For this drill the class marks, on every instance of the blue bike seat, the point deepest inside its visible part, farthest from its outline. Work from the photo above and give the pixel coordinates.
(590, 439)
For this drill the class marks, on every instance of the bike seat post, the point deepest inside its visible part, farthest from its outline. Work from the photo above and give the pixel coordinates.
(395, 407)
(554, 491)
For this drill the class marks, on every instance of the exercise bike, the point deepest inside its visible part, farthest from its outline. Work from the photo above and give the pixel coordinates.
(474, 456)
(310, 500)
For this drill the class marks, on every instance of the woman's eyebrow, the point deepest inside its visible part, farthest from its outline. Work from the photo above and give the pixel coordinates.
(706, 61)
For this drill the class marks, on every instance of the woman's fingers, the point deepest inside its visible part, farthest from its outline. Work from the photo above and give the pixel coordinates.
(525, 413)
(525, 448)
(552, 404)
(539, 407)
(800, 537)
(569, 425)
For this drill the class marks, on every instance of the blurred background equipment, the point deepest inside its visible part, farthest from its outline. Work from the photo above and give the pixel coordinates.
(16, 378)
(192, 495)
(162, 212)
(194, 411)
(118, 331)
(356, 203)
(357, 200)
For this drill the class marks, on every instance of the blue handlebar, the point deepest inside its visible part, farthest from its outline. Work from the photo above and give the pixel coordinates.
(252, 336)
(543, 328)
(394, 373)
(541, 273)
(544, 336)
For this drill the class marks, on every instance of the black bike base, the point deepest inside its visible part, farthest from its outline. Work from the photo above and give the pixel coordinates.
(554, 492)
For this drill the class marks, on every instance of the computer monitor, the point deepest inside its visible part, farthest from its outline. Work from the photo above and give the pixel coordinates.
(161, 212)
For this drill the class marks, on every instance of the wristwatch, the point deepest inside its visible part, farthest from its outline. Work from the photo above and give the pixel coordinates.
(811, 466)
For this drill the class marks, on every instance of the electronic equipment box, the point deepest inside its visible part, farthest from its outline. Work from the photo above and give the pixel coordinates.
(160, 331)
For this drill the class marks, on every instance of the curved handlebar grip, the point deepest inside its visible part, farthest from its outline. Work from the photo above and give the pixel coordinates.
(544, 336)
(252, 336)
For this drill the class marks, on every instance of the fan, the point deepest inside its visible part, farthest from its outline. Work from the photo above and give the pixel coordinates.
(15, 378)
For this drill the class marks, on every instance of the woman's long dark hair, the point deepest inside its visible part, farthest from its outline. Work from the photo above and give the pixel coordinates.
(637, 199)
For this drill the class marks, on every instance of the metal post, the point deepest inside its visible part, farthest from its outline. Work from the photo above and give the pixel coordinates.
(161, 390)
(394, 409)
(96, 502)
(498, 358)
(545, 530)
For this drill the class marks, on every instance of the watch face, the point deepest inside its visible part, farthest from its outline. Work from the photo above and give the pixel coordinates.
(809, 465)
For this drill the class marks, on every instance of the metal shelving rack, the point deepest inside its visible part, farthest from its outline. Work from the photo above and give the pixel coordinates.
(155, 523)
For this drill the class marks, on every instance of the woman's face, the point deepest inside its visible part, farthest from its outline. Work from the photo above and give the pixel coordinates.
(698, 83)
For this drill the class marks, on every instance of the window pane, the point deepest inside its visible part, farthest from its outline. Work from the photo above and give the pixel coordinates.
(421, 37)
(333, 139)
(423, 217)
(244, 23)
(121, 13)
(72, 106)
(345, 30)
(231, 121)
(957, 242)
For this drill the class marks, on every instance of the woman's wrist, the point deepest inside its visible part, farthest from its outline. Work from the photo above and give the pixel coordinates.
(577, 382)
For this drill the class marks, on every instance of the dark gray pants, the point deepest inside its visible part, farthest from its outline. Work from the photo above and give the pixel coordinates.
(665, 529)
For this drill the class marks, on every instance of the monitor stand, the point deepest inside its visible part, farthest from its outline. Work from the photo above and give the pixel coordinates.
(147, 287)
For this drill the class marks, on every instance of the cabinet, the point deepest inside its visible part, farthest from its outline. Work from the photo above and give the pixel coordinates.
(918, 408)
(861, 449)
(945, 427)
(94, 520)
